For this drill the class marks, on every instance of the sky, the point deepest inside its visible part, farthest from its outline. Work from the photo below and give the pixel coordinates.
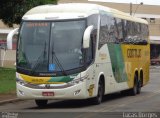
(147, 2)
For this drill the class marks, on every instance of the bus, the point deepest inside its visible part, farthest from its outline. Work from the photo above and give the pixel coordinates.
(80, 51)
(155, 51)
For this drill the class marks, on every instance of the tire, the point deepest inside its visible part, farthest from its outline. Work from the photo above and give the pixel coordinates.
(41, 103)
(139, 86)
(98, 99)
(134, 90)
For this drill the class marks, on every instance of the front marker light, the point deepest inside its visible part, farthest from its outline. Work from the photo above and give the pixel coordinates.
(20, 81)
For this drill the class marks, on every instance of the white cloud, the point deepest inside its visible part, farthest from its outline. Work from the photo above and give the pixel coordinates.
(147, 2)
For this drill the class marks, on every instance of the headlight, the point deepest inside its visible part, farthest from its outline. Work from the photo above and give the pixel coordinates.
(21, 82)
(78, 80)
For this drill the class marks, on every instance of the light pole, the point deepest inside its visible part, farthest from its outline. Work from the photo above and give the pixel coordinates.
(131, 6)
(131, 9)
(137, 7)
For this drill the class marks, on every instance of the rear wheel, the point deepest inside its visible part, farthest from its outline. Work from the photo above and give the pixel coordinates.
(135, 88)
(98, 99)
(41, 103)
(139, 86)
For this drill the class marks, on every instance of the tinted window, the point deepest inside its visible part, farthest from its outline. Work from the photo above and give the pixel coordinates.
(136, 33)
(107, 30)
(115, 30)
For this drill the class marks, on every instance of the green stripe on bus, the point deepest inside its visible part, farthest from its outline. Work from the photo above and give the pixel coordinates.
(117, 61)
(62, 78)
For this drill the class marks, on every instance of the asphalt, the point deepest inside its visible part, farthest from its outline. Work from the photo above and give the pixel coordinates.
(10, 100)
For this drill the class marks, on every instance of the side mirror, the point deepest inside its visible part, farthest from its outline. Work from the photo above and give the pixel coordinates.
(10, 38)
(87, 36)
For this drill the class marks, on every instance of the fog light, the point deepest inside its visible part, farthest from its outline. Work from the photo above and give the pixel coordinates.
(21, 92)
(77, 92)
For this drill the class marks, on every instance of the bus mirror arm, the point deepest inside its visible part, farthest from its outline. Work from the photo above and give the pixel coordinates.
(144, 42)
(10, 38)
(87, 36)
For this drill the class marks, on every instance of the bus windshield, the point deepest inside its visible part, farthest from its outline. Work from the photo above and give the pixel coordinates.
(50, 46)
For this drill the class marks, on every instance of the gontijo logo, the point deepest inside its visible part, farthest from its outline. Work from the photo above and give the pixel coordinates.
(134, 53)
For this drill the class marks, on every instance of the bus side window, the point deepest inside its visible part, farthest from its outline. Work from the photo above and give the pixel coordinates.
(92, 48)
(106, 30)
(118, 30)
(135, 33)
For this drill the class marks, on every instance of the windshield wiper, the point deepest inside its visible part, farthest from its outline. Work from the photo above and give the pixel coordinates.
(58, 63)
(43, 54)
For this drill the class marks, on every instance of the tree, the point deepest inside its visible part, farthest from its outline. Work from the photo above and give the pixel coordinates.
(11, 11)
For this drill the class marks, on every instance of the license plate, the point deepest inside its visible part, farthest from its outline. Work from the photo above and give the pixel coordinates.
(47, 93)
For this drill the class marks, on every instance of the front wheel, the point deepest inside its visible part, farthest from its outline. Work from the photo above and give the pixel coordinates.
(98, 99)
(41, 103)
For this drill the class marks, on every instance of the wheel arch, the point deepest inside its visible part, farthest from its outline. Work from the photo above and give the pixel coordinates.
(101, 77)
(135, 74)
(141, 76)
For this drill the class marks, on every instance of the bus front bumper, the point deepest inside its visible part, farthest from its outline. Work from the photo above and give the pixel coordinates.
(77, 91)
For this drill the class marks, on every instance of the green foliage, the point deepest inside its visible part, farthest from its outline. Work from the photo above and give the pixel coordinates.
(7, 80)
(12, 10)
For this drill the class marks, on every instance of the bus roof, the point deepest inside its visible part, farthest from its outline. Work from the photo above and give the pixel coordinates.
(79, 9)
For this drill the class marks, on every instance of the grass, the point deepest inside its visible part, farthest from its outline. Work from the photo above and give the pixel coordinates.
(7, 80)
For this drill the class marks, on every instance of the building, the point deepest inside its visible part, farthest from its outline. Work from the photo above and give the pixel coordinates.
(7, 57)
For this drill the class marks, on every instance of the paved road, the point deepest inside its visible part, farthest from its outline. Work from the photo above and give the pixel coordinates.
(147, 101)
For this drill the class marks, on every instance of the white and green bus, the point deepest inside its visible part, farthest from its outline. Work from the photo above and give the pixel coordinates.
(80, 51)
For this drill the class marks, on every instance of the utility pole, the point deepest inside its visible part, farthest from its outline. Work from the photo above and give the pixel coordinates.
(130, 8)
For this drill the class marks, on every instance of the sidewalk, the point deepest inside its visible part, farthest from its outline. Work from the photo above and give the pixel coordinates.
(6, 98)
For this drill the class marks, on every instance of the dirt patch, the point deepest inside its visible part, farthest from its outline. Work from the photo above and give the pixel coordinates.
(7, 96)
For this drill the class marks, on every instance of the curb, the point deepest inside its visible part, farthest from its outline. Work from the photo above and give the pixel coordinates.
(10, 101)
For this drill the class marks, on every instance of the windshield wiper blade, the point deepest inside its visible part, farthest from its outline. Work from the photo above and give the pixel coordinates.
(58, 63)
(36, 65)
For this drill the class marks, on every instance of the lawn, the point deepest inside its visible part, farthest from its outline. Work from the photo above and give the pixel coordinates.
(7, 80)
